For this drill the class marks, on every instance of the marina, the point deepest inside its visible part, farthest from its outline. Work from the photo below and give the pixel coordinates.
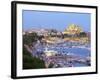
(68, 48)
(62, 55)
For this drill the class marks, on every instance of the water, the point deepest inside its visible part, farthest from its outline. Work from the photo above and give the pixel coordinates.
(78, 51)
(75, 64)
(63, 48)
(82, 52)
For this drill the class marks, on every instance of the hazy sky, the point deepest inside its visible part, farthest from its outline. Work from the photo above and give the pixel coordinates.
(55, 20)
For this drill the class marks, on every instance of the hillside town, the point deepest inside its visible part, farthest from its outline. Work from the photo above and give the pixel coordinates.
(68, 48)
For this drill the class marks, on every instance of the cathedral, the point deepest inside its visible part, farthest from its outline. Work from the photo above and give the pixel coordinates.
(73, 29)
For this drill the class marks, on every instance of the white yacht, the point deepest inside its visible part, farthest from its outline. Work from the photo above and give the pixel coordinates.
(49, 52)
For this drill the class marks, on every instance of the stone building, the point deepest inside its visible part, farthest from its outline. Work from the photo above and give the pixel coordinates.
(73, 29)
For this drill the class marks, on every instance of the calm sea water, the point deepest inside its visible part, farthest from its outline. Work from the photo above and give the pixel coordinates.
(79, 51)
(82, 52)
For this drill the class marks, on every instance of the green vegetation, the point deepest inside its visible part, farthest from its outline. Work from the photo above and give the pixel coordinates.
(29, 38)
(30, 62)
(51, 65)
(82, 34)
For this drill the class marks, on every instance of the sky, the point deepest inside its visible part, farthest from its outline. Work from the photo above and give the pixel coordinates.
(54, 20)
